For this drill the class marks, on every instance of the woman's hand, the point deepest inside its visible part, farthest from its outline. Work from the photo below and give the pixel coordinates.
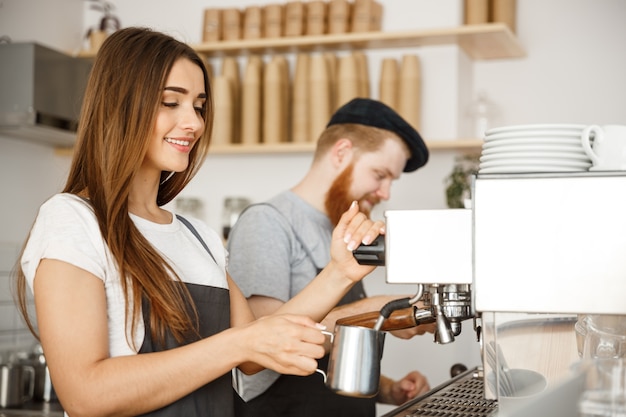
(286, 343)
(354, 228)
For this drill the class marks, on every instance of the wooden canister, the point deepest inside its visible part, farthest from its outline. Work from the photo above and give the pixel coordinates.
(363, 76)
(212, 27)
(316, 17)
(376, 23)
(253, 22)
(223, 111)
(348, 86)
(230, 70)
(96, 39)
(339, 16)
(476, 12)
(231, 24)
(251, 90)
(410, 90)
(294, 18)
(300, 117)
(366, 16)
(209, 67)
(504, 11)
(388, 85)
(319, 93)
(273, 21)
(274, 124)
(286, 103)
(331, 64)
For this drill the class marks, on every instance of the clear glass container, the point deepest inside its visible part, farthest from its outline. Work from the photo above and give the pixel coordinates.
(605, 389)
(233, 206)
(483, 113)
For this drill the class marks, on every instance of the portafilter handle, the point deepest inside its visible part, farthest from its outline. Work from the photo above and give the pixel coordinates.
(398, 320)
(372, 254)
(405, 318)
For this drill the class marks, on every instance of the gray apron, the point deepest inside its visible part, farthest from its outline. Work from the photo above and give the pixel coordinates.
(213, 307)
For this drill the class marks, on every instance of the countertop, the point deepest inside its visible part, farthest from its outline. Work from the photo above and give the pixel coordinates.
(34, 409)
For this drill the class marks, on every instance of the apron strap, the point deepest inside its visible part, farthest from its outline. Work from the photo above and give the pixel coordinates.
(195, 233)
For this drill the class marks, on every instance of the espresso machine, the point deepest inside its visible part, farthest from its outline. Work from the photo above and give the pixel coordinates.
(533, 254)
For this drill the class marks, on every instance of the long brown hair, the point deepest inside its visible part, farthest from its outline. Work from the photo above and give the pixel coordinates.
(118, 114)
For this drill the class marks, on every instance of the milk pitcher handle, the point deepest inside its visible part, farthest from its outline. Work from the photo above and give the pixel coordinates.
(585, 139)
(324, 375)
(332, 338)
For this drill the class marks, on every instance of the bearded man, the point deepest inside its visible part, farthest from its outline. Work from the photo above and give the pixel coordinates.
(277, 247)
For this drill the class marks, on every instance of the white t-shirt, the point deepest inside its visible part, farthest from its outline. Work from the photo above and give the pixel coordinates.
(66, 229)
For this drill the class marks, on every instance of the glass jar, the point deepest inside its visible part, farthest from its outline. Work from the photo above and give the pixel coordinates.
(233, 206)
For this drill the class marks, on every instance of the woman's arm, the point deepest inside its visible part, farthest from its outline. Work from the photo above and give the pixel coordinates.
(72, 319)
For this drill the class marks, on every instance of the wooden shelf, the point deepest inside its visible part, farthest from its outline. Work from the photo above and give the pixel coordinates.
(468, 145)
(480, 42)
(486, 41)
(458, 145)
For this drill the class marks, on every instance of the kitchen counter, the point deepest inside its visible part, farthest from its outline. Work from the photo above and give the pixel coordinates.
(34, 409)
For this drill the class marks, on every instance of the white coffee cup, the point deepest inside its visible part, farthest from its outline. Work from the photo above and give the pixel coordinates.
(526, 384)
(608, 151)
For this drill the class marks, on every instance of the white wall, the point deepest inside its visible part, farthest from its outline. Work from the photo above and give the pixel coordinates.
(53, 23)
(574, 73)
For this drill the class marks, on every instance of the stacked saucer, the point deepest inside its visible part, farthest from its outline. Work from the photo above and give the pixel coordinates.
(534, 148)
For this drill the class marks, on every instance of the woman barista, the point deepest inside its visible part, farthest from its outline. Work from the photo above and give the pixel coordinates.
(135, 310)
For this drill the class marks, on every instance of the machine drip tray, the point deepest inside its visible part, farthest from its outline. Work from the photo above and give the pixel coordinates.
(461, 396)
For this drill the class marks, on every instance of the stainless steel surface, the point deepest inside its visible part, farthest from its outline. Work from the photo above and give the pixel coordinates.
(541, 244)
(461, 396)
(542, 249)
(419, 245)
(354, 364)
(17, 384)
(544, 343)
(497, 362)
(450, 304)
(42, 91)
(34, 409)
(433, 248)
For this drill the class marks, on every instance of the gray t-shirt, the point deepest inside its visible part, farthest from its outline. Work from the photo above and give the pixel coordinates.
(267, 255)
(275, 250)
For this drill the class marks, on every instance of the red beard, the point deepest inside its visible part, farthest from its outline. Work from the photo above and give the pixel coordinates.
(338, 197)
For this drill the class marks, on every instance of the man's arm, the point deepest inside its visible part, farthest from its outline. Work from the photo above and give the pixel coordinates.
(264, 306)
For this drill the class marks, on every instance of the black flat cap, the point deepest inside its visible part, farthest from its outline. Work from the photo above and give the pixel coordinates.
(374, 113)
